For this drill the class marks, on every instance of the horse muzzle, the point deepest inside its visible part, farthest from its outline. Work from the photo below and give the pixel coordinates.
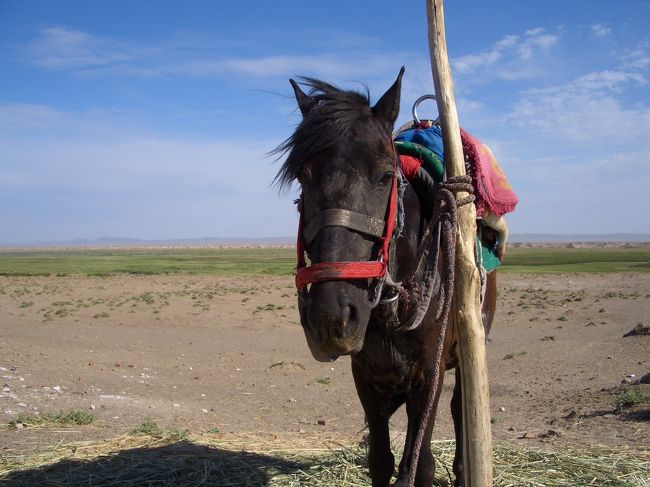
(334, 316)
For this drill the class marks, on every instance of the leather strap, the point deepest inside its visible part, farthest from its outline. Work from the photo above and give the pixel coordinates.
(338, 217)
(332, 271)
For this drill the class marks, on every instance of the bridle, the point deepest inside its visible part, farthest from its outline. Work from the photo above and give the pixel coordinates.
(358, 222)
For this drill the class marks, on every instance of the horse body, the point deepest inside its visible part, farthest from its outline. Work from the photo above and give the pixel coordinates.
(342, 155)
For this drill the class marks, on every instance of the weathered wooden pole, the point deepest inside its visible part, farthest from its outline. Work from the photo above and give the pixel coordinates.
(465, 312)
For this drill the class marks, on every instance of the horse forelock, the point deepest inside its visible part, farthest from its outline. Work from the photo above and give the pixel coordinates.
(327, 123)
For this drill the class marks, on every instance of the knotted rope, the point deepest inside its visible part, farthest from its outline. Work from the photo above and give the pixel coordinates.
(446, 214)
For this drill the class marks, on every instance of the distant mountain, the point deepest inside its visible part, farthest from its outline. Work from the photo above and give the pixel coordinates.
(135, 242)
(210, 241)
(560, 238)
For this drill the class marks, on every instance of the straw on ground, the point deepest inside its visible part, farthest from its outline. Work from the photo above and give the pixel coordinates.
(228, 460)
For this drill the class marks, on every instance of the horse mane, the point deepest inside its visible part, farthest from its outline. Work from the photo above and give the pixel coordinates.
(332, 115)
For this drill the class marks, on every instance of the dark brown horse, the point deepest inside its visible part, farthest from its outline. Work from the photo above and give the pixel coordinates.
(342, 156)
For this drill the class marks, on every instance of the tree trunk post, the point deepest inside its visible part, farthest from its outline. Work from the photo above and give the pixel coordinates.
(465, 312)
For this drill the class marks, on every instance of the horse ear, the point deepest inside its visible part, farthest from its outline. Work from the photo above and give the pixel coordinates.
(387, 108)
(305, 102)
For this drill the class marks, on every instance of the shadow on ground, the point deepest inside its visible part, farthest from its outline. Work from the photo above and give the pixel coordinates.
(638, 415)
(179, 464)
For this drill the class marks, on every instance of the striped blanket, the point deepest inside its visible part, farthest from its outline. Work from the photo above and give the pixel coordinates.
(491, 186)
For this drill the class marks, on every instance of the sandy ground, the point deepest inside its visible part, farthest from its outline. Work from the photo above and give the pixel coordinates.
(207, 352)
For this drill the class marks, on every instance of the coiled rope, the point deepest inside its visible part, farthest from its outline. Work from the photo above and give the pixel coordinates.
(446, 213)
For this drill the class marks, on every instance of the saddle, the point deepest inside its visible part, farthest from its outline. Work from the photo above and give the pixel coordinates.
(421, 154)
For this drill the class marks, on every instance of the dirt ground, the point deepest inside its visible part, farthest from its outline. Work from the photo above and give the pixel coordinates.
(200, 353)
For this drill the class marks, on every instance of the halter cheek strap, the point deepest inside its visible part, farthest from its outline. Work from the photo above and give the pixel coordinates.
(337, 271)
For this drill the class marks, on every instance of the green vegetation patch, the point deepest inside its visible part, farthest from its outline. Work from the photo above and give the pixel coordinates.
(563, 259)
(149, 427)
(510, 356)
(634, 396)
(282, 261)
(226, 262)
(74, 417)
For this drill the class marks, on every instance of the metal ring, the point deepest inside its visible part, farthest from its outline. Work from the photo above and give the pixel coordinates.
(377, 296)
(390, 300)
(417, 103)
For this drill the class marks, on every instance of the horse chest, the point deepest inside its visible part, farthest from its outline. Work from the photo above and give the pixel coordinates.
(393, 362)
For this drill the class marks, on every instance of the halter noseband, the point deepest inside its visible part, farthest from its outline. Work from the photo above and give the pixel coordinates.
(338, 271)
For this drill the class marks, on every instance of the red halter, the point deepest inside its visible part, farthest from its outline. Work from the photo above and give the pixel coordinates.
(337, 271)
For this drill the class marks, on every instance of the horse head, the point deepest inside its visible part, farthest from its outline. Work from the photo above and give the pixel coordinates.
(342, 156)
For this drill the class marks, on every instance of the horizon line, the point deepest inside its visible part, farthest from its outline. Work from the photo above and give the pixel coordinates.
(528, 237)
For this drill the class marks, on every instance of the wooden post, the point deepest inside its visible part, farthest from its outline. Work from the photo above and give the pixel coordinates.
(465, 312)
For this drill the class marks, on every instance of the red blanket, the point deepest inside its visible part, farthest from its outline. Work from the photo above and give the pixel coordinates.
(494, 190)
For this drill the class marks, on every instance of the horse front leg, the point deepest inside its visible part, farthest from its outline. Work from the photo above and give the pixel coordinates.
(376, 407)
(457, 415)
(416, 405)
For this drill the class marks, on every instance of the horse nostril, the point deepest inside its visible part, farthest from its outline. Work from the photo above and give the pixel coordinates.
(351, 314)
(345, 318)
(345, 315)
(348, 310)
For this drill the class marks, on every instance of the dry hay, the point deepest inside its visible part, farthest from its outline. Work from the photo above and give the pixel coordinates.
(289, 460)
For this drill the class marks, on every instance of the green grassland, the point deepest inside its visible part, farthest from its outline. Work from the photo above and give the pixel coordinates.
(281, 261)
(562, 259)
(224, 262)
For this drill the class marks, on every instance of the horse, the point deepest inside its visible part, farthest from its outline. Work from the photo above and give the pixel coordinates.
(342, 156)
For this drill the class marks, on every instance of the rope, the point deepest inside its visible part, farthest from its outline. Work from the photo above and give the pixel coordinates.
(446, 213)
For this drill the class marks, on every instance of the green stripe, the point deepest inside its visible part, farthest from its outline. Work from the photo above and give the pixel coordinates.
(432, 163)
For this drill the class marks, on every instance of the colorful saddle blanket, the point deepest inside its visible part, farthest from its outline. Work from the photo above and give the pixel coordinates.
(491, 186)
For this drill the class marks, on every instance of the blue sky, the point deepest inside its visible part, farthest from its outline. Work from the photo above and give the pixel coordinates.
(151, 119)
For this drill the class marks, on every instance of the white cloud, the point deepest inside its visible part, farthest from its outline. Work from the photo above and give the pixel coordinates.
(607, 79)
(102, 174)
(577, 193)
(578, 138)
(16, 116)
(506, 42)
(535, 38)
(509, 58)
(588, 110)
(535, 32)
(637, 59)
(75, 158)
(574, 152)
(61, 48)
(326, 65)
(471, 62)
(601, 30)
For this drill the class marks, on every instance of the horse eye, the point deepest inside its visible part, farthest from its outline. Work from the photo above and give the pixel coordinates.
(386, 178)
